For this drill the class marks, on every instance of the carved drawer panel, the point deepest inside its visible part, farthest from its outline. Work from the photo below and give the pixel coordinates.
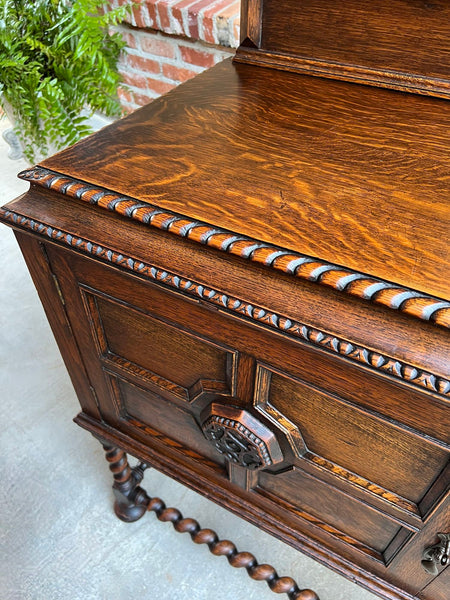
(161, 354)
(148, 396)
(157, 417)
(335, 430)
(376, 479)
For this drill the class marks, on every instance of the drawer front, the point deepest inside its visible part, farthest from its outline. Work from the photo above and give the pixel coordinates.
(361, 475)
(376, 453)
(128, 338)
(313, 442)
(160, 376)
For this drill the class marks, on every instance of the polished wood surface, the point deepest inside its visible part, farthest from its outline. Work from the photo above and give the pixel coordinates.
(345, 280)
(342, 172)
(248, 281)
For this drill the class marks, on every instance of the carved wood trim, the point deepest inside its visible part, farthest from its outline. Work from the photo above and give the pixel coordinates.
(381, 363)
(241, 438)
(162, 442)
(112, 360)
(201, 388)
(341, 279)
(273, 415)
(406, 82)
(365, 484)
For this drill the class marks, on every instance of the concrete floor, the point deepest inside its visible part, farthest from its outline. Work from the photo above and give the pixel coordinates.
(59, 538)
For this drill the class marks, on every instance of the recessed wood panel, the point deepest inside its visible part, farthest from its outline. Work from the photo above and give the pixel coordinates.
(399, 461)
(165, 417)
(165, 350)
(331, 508)
(408, 36)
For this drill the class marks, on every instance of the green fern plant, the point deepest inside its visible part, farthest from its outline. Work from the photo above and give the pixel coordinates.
(58, 58)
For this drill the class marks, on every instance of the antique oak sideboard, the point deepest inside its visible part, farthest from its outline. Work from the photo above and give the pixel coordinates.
(248, 282)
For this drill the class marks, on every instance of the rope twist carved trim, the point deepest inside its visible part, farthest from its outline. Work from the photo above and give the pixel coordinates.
(375, 360)
(339, 278)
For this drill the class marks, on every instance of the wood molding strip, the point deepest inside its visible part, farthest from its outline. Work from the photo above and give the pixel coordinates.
(372, 488)
(111, 360)
(407, 82)
(295, 438)
(341, 279)
(381, 363)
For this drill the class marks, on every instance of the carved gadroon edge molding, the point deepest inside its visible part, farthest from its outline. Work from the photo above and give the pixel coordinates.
(354, 352)
(339, 278)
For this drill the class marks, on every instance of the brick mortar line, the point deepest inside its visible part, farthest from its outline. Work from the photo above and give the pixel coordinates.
(162, 60)
(186, 16)
(158, 77)
(171, 38)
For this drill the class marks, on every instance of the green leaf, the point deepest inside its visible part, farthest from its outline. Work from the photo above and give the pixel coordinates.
(57, 57)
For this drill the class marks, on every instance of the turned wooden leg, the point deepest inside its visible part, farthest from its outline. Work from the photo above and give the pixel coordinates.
(131, 500)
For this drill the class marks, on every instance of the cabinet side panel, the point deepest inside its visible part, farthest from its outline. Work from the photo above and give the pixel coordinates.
(47, 287)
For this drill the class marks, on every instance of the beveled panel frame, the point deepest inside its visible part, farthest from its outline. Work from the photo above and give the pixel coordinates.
(409, 514)
(200, 391)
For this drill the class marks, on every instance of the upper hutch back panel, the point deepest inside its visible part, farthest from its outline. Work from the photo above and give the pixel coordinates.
(395, 43)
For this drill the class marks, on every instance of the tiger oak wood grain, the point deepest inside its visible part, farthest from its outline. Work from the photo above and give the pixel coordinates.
(347, 515)
(295, 176)
(140, 337)
(340, 278)
(431, 345)
(67, 266)
(196, 358)
(165, 417)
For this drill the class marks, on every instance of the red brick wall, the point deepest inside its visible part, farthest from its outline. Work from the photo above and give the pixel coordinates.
(170, 41)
